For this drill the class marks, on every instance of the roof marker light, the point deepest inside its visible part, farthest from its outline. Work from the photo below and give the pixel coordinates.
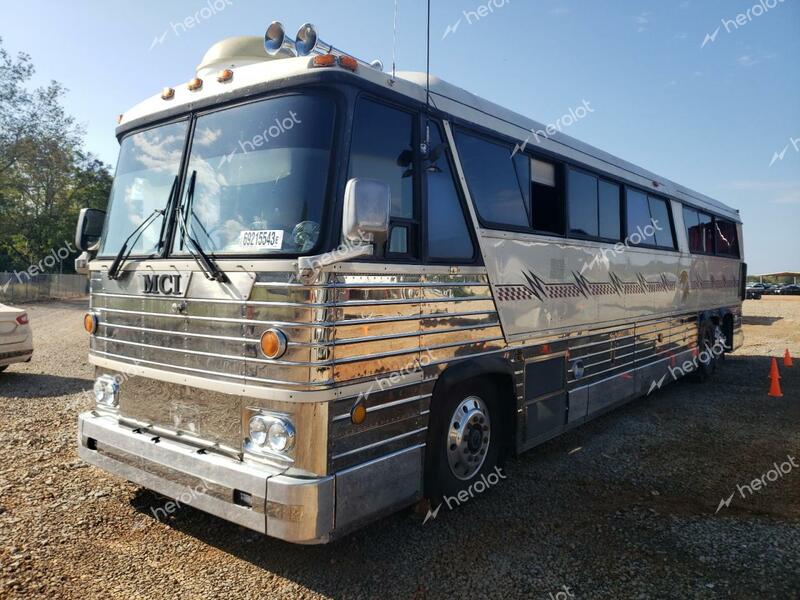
(348, 62)
(225, 75)
(323, 60)
(195, 84)
(167, 93)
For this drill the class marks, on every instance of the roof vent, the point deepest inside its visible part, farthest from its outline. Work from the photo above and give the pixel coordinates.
(234, 52)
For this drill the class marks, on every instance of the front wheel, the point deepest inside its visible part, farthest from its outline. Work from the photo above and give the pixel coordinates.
(464, 440)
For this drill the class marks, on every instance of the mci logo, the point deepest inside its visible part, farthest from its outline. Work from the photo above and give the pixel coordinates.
(167, 284)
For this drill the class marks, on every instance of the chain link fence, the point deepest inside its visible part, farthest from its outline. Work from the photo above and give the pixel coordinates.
(16, 288)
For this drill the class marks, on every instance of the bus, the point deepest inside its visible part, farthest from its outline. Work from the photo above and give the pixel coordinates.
(322, 292)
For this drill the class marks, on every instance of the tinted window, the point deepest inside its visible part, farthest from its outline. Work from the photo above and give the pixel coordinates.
(694, 230)
(659, 212)
(493, 182)
(638, 211)
(548, 208)
(382, 149)
(609, 210)
(582, 203)
(707, 226)
(448, 234)
(727, 242)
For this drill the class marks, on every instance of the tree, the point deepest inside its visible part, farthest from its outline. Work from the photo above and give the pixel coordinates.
(45, 175)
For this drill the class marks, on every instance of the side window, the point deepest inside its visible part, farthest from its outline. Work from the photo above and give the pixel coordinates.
(547, 209)
(707, 226)
(383, 148)
(694, 231)
(648, 219)
(582, 203)
(448, 233)
(638, 211)
(727, 242)
(593, 206)
(610, 227)
(659, 213)
(493, 180)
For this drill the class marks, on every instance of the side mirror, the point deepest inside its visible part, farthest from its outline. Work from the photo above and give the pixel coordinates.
(367, 203)
(90, 229)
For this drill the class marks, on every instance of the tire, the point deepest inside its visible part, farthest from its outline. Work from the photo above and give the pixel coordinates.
(458, 453)
(708, 347)
(3, 368)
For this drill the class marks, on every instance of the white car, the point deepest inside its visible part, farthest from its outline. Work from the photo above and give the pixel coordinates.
(16, 337)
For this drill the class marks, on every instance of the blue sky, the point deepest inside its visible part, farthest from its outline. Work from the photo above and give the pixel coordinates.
(716, 118)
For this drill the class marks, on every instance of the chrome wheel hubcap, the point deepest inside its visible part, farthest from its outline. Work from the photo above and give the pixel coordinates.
(468, 437)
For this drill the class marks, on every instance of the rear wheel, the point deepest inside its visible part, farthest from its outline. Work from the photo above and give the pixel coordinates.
(464, 440)
(711, 350)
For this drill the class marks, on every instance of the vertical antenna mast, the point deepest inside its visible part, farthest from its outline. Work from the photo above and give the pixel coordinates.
(394, 43)
(428, 87)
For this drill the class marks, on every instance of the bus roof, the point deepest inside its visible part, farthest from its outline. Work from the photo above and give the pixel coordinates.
(255, 77)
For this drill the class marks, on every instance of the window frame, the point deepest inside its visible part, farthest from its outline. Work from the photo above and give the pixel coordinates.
(462, 201)
(648, 195)
(622, 206)
(413, 225)
(738, 255)
(497, 141)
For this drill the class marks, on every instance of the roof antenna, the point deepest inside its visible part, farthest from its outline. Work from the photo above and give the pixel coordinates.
(394, 44)
(427, 142)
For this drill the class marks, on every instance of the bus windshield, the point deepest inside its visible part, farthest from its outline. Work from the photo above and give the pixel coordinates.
(256, 177)
(148, 163)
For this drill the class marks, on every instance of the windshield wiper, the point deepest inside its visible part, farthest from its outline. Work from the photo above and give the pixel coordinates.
(125, 250)
(205, 262)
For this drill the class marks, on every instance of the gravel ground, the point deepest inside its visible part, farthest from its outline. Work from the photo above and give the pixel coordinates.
(623, 507)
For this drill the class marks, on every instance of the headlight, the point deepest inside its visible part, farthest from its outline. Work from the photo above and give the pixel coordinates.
(268, 432)
(106, 390)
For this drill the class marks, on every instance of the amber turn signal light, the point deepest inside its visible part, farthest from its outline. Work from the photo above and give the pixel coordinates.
(358, 414)
(90, 322)
(273, 343)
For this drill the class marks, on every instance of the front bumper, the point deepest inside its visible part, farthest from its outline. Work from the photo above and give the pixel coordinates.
(262, 498)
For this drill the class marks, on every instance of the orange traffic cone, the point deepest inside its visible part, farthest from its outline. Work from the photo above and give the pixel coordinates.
(775, 384)
(787, 359)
